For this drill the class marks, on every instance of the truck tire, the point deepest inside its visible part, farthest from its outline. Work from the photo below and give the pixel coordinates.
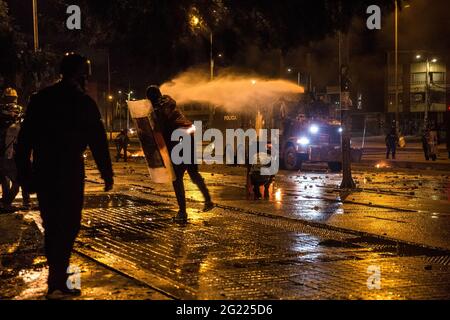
(335, 166)
(291, 160)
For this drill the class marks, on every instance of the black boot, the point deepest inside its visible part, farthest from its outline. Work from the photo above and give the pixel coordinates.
(181, 217)
(209, 205)
(62, 293)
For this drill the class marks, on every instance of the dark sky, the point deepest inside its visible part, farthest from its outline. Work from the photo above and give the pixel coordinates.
(424, 25)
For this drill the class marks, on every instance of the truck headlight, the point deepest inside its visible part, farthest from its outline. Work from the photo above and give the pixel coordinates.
(340, 130)
(314, 129)
(303, 141)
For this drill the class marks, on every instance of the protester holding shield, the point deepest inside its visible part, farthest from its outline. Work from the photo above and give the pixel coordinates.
(170, 118)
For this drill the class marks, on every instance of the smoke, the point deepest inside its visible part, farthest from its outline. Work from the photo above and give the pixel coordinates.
(424, 25)
(232, 91)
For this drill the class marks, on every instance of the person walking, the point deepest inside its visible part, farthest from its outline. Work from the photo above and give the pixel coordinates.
(60, 122)
(391, 143)
(447, 126)
(170, 118)
(433, 143)
(425, 146)
(122, 142)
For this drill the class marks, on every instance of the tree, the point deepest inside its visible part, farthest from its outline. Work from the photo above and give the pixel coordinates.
(7, 58)
(153, 40)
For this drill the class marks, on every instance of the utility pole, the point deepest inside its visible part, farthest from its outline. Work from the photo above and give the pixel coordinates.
(345, 104)
(211, 56)
(397, 116)
(109, 100)
(35, 26)
(427, 93)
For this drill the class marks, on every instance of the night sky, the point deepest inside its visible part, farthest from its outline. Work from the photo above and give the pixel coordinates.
(423, 25)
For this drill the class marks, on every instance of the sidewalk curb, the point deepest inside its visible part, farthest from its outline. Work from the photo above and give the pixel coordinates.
(436, 250)
(406, 165)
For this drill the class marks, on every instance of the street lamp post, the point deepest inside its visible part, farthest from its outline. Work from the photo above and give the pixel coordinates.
(345, 106)
(110, 98)
(128, 110)
(35, 26)
(110, 123)
(211, 66)
(397, 111)
(397, 116)
(196, 22)
(428, 83)
(290, 70)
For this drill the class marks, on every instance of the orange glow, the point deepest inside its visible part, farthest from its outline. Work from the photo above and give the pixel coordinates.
(138, 154)
(278, 196)
(381, 165)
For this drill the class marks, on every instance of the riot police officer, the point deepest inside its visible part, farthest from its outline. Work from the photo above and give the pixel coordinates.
(10, 116)
(60, 122)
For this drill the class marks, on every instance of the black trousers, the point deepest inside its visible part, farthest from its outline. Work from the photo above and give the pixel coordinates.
(119, 149)
(61, 215)
(257, 181)
(389, 150)
(426, 151)
(196, 178)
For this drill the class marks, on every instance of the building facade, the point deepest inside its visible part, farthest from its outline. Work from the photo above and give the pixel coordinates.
(423, 88)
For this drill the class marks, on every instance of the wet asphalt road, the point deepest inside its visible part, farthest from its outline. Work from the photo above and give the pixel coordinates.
(306, 242)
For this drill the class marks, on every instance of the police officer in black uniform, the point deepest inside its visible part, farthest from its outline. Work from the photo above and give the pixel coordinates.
(60, 122)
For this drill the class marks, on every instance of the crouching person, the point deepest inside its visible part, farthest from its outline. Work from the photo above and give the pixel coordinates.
(257, 179)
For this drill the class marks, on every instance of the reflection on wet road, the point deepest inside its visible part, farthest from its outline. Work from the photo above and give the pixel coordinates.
(227, 254)
(310, 240)
(392, 204)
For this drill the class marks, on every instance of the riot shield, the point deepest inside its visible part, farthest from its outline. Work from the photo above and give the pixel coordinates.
(152, 141)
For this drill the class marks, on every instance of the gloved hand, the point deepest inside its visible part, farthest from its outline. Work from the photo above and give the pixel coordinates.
(109, 184)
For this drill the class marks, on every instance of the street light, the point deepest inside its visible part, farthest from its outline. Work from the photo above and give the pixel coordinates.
(129, 94)
(428, 83)
(196, 22)
(290, 70)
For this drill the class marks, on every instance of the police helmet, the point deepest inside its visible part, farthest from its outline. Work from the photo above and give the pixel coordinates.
(153, 93)
(74, 64)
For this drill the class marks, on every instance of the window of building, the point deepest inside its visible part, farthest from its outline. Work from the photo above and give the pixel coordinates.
(438, 77)
(438, 97)
(392, 99)
(419, 78)
(417, 97)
